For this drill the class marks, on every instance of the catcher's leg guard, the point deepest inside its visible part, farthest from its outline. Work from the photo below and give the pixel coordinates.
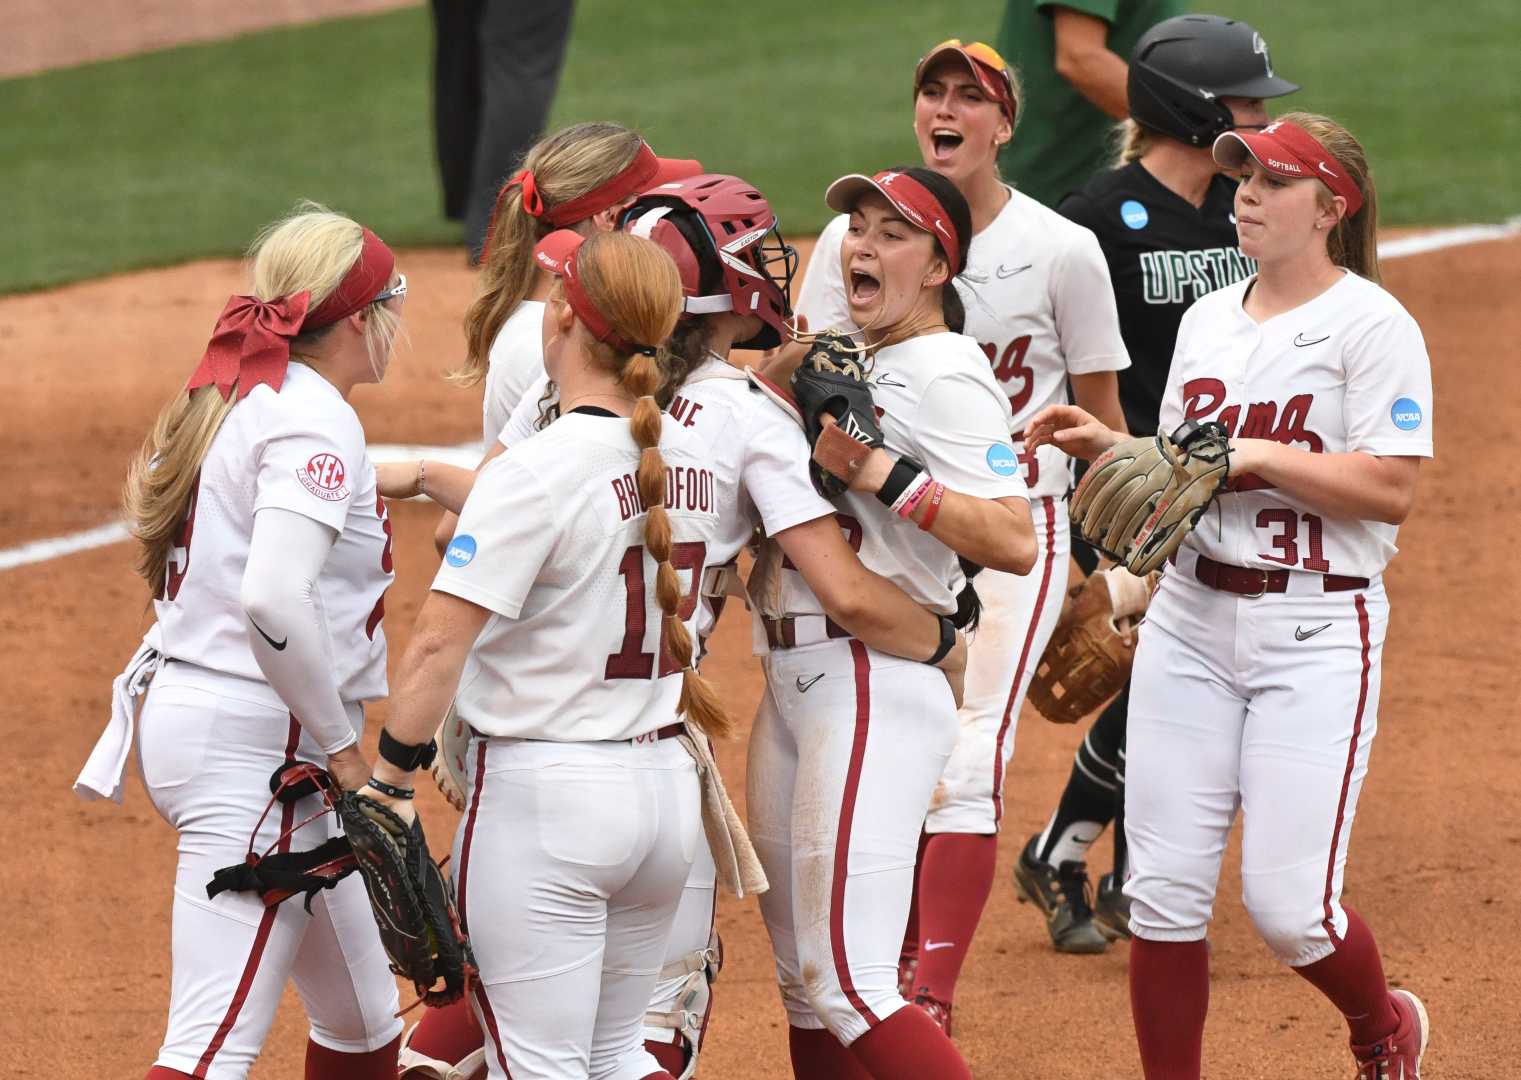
(415, 1065)
(689, 1019)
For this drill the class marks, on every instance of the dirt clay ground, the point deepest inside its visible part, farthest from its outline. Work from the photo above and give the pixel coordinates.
(1435, 853)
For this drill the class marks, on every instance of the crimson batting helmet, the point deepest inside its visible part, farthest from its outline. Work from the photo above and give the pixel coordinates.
(723, 236)
(1182, 67)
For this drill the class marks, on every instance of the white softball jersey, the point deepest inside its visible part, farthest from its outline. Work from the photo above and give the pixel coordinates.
(301, 449)
(522, 421)
(941, 407)
(1039, 304)
(759, 454)
(515, 361)
(551, 541)
(1345, 372)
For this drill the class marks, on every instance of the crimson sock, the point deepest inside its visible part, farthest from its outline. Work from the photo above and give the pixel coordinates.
(1353, 978)
(908, 1045)
(957, 879)
(449, 1033)
(1169, 997)
(818, 1055)
(163, 1072)
(325, 1064)
(672, 1057)
(910, 951)
(661, 1075)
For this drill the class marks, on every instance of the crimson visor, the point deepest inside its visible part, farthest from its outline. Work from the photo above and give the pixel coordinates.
(1285, 149)
(556, 253)
(910, 198)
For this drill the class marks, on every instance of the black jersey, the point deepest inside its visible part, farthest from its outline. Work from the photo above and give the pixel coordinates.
(1163, 253)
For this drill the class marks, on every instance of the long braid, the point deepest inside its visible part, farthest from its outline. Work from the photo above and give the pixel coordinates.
(699, 701)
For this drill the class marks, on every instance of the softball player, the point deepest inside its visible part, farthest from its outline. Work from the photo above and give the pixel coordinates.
(1040, 306)
(758, 458)
(577, 178)
(1165, 219)
(848, 744)
(1257, 677)
(583, 810)
(269, 553)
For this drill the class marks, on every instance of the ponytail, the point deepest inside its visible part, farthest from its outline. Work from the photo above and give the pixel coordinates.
(309, 250)
(635, 285)
(565, 166)
(699, 701)
(1353, 243)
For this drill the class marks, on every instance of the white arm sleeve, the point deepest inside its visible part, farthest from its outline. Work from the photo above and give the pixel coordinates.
(520, 425)
(287, 628)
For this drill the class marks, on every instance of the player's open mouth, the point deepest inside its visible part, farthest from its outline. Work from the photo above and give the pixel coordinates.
(863, 287)
(945, 142)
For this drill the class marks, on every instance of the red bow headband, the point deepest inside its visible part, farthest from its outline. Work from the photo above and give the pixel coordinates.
(646, 171)
(910, 198)
(251, 342)
(556, 253)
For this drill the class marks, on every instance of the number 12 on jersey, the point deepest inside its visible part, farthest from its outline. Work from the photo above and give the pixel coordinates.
(631, 661)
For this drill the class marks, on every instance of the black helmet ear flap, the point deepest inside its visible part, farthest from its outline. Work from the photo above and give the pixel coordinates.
(1164, 104)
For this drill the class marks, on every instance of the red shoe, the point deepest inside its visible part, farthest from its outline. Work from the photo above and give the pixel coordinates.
(1397, 1056)
(939, 1011)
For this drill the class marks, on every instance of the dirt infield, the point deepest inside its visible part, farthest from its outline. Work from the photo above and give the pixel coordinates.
(1435, 854)
(42, 34)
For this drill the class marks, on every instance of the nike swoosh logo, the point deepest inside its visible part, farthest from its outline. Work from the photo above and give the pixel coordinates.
(1232, 217)
(1305, 635)
(888, 380)
(278, 646)
(1301, 341)
(931, 946)
(1005, 272)
(1327, 171)
(804, 686)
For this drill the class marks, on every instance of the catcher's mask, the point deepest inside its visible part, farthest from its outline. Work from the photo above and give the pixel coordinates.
(723, 236)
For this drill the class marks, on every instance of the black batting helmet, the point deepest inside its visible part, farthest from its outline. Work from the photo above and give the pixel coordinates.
(1182, 67)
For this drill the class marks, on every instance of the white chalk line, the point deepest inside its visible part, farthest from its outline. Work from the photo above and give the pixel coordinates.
(468, 454)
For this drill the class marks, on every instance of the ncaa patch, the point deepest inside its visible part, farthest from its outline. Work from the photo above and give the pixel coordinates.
(324, 475)
(1406, 414)
(1002, 459)
(1133, 214)
(461, 550)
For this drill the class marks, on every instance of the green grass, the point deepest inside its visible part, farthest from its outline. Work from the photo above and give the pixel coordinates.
(183, 153)
(1430, 88)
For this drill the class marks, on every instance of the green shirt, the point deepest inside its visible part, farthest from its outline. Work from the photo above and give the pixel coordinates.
(1062, 138)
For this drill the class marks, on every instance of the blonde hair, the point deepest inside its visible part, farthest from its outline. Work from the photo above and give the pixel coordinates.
(1353, 242)
(565, 166)
(1130, 142)
(311, 249)
(634, 283)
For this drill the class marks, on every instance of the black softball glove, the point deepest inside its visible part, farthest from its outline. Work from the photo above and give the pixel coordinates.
(831, 381)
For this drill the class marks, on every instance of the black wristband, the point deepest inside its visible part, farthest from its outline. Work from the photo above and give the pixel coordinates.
(947, 640)
(903, 473)
(390, 789)
(405, 757)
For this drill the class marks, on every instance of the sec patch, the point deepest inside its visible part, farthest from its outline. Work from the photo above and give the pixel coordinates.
(461, 550)
(1002, 460)
(1406, 414)
(324, 476)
